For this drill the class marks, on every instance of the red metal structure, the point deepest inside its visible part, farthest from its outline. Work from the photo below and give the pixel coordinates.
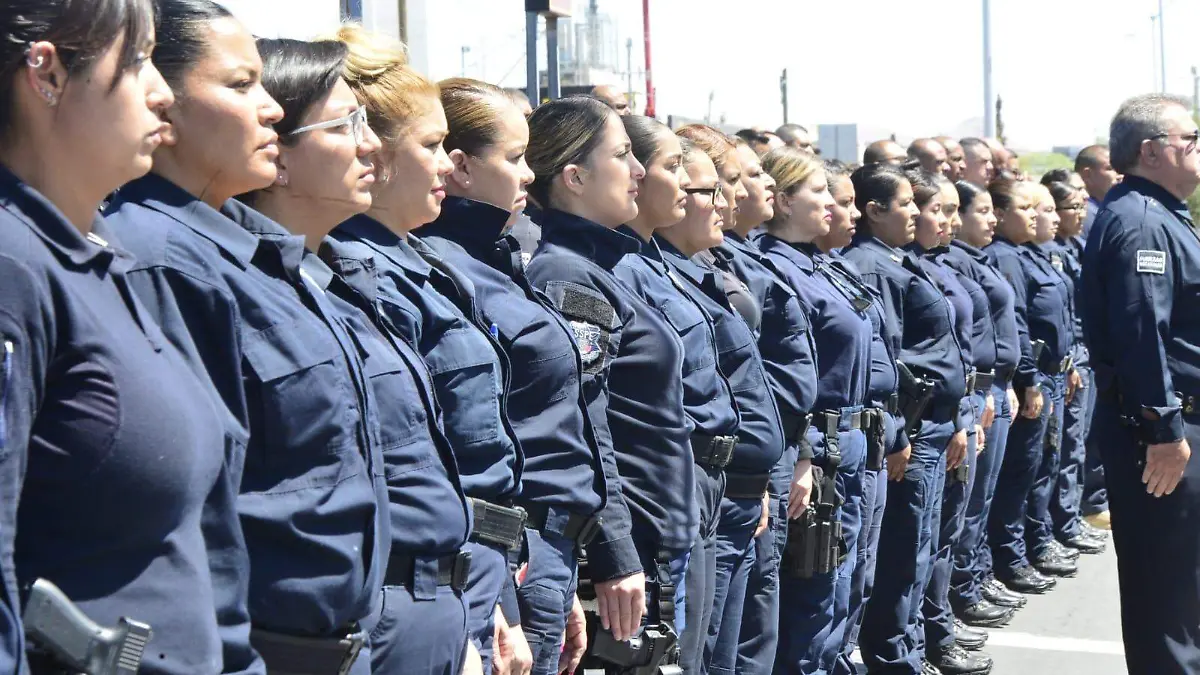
(649, 78)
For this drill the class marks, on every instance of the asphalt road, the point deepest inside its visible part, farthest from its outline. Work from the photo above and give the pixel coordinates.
(1073, 630)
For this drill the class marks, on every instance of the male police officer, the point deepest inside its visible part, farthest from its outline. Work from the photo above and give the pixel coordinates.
(1140, 280)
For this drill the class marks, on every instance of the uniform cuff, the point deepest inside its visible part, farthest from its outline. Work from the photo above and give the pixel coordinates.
(508, 601)
(613, 559)
(1168, 428)
(804, 450)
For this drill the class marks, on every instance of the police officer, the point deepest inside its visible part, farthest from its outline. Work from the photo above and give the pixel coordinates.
(882, 399)
(207, 274)
(1140, 267)
(920, 327)
(710, 281)
(707, 393)
(995, 350)
(789, 356)
(586, 178)
(1040, 313)
(111, 444)
(815, 598)
(933, 228)
(466, 366)
(563, 484)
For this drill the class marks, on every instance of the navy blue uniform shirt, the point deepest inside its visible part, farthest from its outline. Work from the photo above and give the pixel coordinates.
(312, 494)
(1004, 349)
(760, 432)
(920, 322)
(109, 442)
(1141, 276)
(564, 459)
(469, 370)
(841, 332)
(1006, 257)
(707, 394)
(626, 345)
(1065, 256)
(785, 339)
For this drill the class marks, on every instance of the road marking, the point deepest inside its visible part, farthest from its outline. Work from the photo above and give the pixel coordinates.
(1054, 644)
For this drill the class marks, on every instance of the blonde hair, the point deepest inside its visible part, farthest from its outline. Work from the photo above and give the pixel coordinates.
(790, 167)
(712, 142)
(377, 71)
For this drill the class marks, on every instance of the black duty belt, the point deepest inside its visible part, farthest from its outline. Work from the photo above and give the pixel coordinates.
(293, 655)
(829, 422)
(984, 379)
(891, 405)
(746, 485)
(498, 525)
(580, 529)
(452, 570)
(713, 452)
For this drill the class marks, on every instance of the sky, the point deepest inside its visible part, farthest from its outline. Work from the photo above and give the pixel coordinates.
(909, 67)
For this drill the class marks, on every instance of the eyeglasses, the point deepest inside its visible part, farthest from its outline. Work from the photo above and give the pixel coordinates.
(712, 192)
(357, 121)
(1191, 139)
(1075, 207)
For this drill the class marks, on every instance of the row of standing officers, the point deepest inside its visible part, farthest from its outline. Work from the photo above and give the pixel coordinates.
(298, 400)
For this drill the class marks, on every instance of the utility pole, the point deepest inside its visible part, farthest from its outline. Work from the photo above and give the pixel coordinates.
(1154, 52)
(989, 115)
(1162, 45)
(783, 94)
(1196, 92)
(708, 115)
(650, 97)
(629, 65)
(465, 51)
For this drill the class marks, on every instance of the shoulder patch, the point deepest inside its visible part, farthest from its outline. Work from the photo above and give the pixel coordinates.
(589, 339)
(1151, 262)
(580, 303)
(1056, 261)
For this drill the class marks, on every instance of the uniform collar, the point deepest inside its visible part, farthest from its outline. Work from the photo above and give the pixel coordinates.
(475, 226)
(686, 266)
(600, 244)
(397, 249)
(970, 250)
(876, 244)
(801, 255)
(1149, 189)
(46, 221)
(159, 194)
(290, 246)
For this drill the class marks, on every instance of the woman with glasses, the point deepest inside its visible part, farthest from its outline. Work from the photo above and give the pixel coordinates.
(789, 357)
(1066, 252)
(690, 250)
(932, 382)
(420, 297)
(586, 180)
(109, 442)
(814, 601)
(1040, 311)
(326, 175)
(663, 195)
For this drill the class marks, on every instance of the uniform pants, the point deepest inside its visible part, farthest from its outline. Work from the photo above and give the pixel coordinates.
(735, 558)
(1157, 541)
(863, 582)
(1077, 416)
(758, 636)
(937, 612)
(889, 638)
(814, 613)
(424, 635)
(700, 581)
(1022, 458)
(972, 556)
(1095, 491)
(489, 569)
(1039, 526)
(545, 597)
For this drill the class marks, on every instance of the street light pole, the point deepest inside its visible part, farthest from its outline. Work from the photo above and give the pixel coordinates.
(989, 110)
(465, 51)
(1162, 45)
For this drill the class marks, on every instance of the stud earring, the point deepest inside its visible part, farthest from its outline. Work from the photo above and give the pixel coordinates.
(281, 180)
(51, 99)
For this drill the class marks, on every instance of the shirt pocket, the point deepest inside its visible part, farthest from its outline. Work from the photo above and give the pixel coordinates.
(303, 411)
(691, 327)
(466, 372)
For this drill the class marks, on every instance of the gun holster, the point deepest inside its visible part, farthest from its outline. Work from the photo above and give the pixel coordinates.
(65, 641)
(876, 431)
(961, 473)
(1039, 349)
(1053, 437)
(654, 652)
(815, 544)
(915, 395)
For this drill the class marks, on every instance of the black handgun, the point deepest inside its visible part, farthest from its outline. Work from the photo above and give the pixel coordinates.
(875, 431)
(915, 395)
(1039, 348)
(53, 623)
(961, 473)
(654, 652)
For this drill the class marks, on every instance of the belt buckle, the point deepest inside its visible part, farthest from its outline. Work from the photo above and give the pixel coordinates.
(356, 645)
(462, 570)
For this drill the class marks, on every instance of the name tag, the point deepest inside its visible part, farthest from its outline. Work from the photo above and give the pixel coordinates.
(1151, 262)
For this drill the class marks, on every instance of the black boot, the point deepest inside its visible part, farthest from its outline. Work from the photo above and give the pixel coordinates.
(1028, 580)
(984, 613)
(998, 594)
(970, 639)
(1054, 565)
(958, 661)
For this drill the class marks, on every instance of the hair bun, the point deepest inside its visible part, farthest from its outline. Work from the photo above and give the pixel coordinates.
(371, 54)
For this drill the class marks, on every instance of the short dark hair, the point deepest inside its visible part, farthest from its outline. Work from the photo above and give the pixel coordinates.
(879, 183)
(788, 132)
(1056, 176)
(562, 132)
(967, 192)
(644, 136)
(973, 142)
(752, 136)
(81, 30)
(874, 152)
(298, 74)
(179, 31)
(1062, 192)
(1089, 157)
(924, 184)
(1004, 191)
(835, 168)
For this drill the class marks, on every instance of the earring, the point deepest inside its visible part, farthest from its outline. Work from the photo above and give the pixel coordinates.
(466, 183)
(51, 99)
(34, 61)
(281, 180)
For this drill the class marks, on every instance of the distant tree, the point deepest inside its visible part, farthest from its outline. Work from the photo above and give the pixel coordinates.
(1000, 121)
